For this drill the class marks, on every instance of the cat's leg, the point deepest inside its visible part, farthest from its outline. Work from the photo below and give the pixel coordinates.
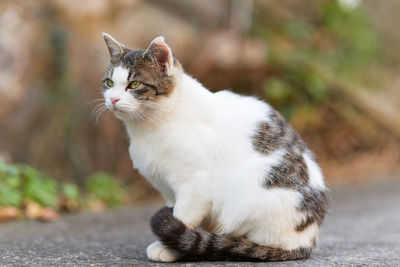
(192, 205)
(156, 251)
(168, 198)
(191, 211)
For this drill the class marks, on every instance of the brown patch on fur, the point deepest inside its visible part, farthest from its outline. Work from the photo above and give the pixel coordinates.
(201, 245)
(314, 203)
(314, 241)
(292, 172)
(145, 69)
(277, 134)
(303, 225)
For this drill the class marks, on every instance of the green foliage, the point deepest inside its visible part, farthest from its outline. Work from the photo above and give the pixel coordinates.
(334, 38)
(354, 39)
(19, 183)
(104, 187)
(39, 188)
(9, 196)
(10, 182)
(71, 191)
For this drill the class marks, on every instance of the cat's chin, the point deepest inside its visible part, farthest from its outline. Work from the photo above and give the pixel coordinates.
(123, 115)
(120, 114)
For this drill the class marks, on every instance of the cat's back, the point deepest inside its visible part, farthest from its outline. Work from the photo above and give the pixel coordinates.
(238, 111)
(272, 168)
(264, 132)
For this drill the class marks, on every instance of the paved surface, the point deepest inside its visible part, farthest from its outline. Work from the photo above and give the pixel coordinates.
(362, 229)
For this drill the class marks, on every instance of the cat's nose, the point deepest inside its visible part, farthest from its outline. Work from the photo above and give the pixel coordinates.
(114, 100)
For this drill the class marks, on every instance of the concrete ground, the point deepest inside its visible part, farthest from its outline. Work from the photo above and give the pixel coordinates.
(362, 229)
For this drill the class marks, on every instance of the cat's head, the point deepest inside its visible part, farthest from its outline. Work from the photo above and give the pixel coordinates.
(137, 82)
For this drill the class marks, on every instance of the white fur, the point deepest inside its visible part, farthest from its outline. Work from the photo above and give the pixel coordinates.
(119, 77)
(127, 104)
(156, 251)
(316, 179)
(197, 151)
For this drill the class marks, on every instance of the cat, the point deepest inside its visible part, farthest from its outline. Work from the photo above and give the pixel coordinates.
(237, 179)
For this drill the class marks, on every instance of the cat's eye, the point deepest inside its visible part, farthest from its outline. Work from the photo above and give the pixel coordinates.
(134, 85)
(109, 83)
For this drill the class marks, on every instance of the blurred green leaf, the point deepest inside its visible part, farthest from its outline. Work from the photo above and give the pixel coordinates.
(106, 188)
(8, 170)
(341, 40)
(9, 196)
(299, 29)
(355, 40)
(71, 191)
(21, 184)
(13, 181)
(10, 193)
(315, 86)
(40, 189)
(277, 90)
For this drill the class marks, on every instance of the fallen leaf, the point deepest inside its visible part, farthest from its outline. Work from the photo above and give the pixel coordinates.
(32, 209)
(8, 213)
(97, 206)
(48, 214)
(67, 204)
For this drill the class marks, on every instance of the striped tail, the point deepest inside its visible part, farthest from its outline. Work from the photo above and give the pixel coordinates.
(200, 245)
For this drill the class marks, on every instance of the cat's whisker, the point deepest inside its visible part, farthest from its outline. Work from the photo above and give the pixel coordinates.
(95, 114)
(139, 120)
(94, 101)
(139, 117)
(146, 115)
(97, 108)
(100, 108)
(100, 113)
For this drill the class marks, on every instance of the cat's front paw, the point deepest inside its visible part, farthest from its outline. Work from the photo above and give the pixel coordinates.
(158, 252)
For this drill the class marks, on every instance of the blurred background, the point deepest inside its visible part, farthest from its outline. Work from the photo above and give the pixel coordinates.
(329, 66)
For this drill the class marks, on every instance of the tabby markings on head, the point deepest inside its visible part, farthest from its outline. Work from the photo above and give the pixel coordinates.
(150, 67)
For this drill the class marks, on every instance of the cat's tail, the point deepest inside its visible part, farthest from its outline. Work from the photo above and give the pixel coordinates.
(199, 244)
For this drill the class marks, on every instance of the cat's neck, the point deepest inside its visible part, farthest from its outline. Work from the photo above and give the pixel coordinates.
(188, 96)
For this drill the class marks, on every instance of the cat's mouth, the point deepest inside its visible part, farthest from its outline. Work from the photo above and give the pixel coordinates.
(118, 110)
(119, 113)
(114, 108)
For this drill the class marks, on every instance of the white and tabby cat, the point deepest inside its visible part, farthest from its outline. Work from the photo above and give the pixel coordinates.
(238, 181)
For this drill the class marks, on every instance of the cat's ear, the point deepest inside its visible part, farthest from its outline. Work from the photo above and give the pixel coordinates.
(115, 48)
(162, 54)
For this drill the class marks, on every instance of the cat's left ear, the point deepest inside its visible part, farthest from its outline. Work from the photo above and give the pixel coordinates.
(162, 54)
